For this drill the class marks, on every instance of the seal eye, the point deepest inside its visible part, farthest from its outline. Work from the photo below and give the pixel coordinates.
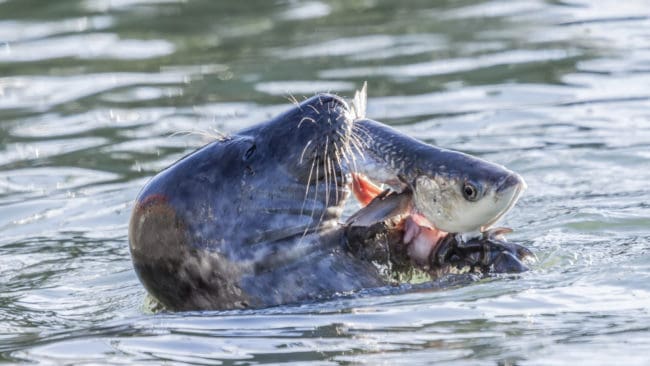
(470, 192)
(249, 153)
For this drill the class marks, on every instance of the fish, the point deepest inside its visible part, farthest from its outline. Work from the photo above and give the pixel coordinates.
(378, 232)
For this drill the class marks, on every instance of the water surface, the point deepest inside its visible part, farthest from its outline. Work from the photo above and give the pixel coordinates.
(96, 96)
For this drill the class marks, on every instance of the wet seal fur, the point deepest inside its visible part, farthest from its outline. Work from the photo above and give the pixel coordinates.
(251, 220)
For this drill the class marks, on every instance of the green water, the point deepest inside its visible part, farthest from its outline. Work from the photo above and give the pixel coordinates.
(97, 96)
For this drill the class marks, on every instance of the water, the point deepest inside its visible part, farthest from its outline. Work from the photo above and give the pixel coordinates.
(96, 96)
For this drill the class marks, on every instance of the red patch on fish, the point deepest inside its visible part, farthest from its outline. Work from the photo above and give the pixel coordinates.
(364, 190)
(420, 235)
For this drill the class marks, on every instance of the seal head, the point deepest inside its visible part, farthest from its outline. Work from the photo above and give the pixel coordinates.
(251, 220)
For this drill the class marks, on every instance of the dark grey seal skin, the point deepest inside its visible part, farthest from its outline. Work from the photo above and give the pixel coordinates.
(252, 220)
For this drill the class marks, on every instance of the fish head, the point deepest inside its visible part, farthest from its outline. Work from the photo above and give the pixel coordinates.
(473, 196)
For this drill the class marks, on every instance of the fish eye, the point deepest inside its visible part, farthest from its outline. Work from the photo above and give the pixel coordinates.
(470, 192)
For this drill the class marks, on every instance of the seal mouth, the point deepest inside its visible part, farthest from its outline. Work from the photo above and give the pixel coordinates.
(421, 237)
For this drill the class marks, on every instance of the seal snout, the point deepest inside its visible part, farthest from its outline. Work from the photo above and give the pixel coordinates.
(326, 98)
(323, 127)
(322, 111)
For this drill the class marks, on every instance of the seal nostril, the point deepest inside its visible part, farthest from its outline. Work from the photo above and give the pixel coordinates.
(325, 98)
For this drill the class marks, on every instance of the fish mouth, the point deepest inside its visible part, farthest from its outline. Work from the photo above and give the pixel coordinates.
(512, 186)
(421, 236)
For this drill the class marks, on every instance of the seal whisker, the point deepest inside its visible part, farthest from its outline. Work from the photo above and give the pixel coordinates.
(320, 219)
(342, 173)
(359, 130)
(337, 157)
(359, 141)
(313, 207)
(349, 155)
(314, 108)
(330, 167)
(302, 155)
(304, 201)
(326, 171)
(216, 135)
(356, 144)
(340, 151)
(343, 153)
(292, 99)
(362, 128)
(345, 146)
(356, 133)
(309, 119)
(342, 138)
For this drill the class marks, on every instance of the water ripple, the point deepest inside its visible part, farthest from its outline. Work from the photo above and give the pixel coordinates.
(448, 66)
(44, 92)
(96, 96)
(99, 46)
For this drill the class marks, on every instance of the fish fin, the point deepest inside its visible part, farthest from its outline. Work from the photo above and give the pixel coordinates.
(359, 102)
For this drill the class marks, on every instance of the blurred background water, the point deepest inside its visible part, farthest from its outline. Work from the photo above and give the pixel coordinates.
(96, 96)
